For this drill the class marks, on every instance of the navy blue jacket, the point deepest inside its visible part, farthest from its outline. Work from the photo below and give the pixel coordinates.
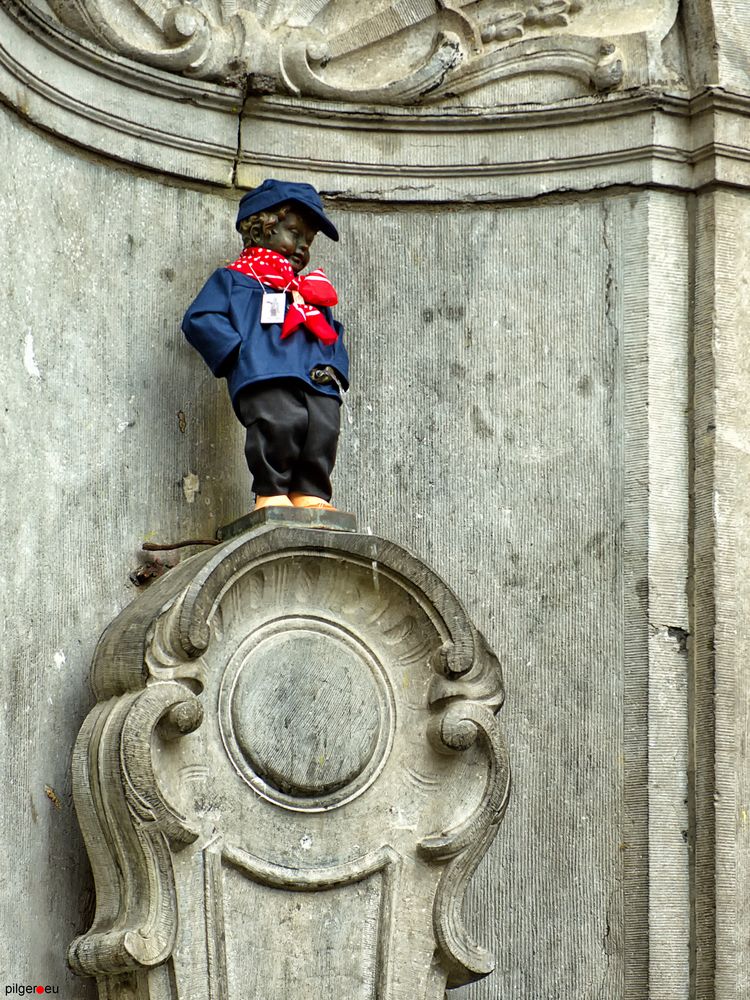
(223, 325)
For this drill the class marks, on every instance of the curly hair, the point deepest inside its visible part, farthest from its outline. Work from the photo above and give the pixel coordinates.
(255, 227)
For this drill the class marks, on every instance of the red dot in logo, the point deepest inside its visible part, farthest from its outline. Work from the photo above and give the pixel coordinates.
(40, 989)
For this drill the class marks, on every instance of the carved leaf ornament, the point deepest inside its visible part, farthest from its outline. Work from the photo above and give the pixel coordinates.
(292, 772)
(400, 52)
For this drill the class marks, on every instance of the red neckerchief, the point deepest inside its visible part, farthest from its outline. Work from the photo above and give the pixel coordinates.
(308, 291)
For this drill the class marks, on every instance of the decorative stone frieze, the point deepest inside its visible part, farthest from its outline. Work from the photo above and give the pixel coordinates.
(292, 772)
(514, 117)
(401, 52)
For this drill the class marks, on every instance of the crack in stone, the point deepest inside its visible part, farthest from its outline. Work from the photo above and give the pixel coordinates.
(240, 119)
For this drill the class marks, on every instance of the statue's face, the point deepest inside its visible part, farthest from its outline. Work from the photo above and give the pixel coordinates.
(292, 237)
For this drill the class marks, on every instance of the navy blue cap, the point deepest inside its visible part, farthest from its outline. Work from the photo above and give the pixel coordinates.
(271, 193)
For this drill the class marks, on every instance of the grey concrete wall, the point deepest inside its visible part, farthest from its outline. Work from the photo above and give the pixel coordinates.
(521, 419)
(486, 436)
(98, 264)
(721, 591)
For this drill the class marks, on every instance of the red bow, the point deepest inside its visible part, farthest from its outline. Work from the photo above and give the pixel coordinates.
(308, 292)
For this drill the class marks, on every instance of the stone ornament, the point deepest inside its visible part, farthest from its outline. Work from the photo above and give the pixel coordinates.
(293, 769)
(517, 117)
(402, 52)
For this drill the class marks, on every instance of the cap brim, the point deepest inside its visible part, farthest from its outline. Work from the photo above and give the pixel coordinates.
(324, 224)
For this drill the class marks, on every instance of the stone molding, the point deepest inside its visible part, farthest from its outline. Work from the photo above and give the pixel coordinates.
(225, 135)
(112, 105)
(185, 771)
(644, 139)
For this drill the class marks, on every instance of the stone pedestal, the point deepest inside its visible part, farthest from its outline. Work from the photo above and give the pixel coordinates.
(293, 770)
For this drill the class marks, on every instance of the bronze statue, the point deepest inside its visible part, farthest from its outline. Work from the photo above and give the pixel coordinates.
(270, 332)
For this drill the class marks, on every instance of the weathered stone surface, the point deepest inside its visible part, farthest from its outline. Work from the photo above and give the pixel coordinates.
(721, 595)
(94, 462)
(110, 105)
(332, 520)
(418, 51)
(305, 712)
(423, 449)
(478, 154)
(546, 324)
(522, 117)
(317, 714)
(514, 438)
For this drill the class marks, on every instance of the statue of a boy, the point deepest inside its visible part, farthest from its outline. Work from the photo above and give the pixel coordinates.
(270, 332)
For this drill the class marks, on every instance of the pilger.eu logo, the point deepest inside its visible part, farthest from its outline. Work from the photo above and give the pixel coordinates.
(20, 989)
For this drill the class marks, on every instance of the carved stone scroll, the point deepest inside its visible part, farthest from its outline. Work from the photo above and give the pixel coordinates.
(292, 772)
(400, 52)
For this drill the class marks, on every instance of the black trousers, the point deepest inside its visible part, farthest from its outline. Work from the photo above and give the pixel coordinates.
(292, 436)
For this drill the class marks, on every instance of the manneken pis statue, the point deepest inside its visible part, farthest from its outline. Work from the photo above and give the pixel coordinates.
(270, 332)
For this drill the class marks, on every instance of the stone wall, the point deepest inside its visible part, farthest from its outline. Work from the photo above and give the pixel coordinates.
(547, 407)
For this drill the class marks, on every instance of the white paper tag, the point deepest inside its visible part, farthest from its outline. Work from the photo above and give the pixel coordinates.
(274, 307)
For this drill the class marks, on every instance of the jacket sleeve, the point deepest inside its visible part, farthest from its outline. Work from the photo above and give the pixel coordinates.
(208, 326)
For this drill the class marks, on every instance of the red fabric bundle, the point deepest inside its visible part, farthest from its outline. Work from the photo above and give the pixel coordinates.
(308, 291)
